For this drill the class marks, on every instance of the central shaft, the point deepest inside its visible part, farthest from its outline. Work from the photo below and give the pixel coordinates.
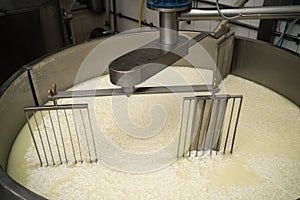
(140, 64)
(168, 24)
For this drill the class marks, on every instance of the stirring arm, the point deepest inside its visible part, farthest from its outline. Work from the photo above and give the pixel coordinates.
(139, 65)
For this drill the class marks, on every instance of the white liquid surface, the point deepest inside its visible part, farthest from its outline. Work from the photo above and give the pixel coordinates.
(265, 163)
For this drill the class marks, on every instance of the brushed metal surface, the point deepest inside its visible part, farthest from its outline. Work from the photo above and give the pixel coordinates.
(269, 66)
(61, 68)
(11, 190)
(260, 62)
(16, 95)
(268, 12)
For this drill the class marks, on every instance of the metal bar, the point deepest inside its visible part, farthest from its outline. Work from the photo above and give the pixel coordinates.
(32, 88)
(77, 135)
(114, 4)
(42, 143)
(61, 136)
(180, 130)
(235, 128)
(47, 138)
(219, 96)
(70, 135)
(119, 91)
(92, 133)
(186, 129)
(52, 125)
(86, 137)
(208, 122)
(193, 136)
(270, 12)
(57, 107)
(33, 138)
(221, 126)
(214, 127)
(107, 14)
(229, 125)
(200, 126)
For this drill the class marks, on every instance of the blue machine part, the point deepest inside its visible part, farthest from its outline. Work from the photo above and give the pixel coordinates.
(168, 4)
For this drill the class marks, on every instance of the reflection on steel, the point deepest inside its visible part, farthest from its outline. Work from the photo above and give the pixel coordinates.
(273, 67)
(271, 12)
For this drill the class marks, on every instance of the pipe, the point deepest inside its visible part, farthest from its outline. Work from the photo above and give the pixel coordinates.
(107, 13)
(238, 3)
(168, 24)
(140, 12)
(271, 12)
(115, 16)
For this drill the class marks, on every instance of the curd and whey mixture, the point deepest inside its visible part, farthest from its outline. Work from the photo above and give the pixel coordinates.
(265, 163)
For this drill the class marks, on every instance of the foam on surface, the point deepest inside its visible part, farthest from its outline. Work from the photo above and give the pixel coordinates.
(265, 163)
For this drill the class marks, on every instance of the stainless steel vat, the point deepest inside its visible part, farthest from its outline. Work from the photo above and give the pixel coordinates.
(263, 63)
